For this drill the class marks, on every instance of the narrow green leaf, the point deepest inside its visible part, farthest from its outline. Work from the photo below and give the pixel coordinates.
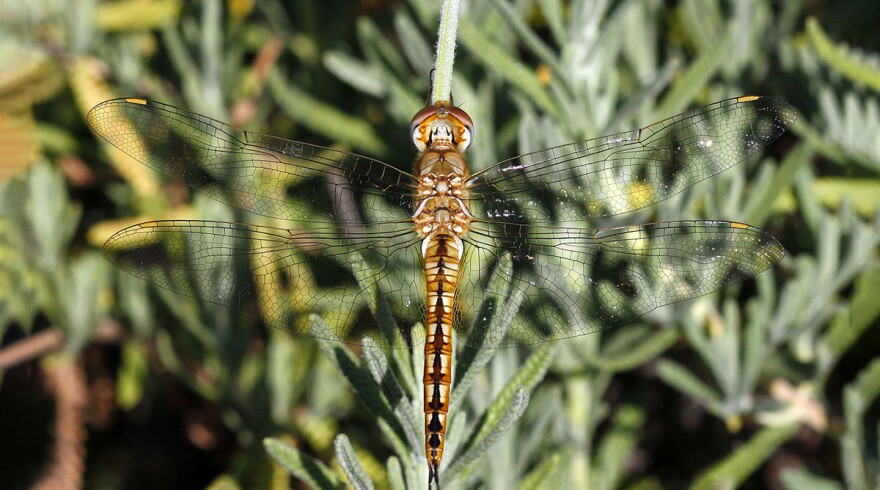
(760, 207)
(18, 278)
(828, 148)
(79, 298)
(799, 477)
(863, 194)
(488, 52)
(527, 35)
(132, 375)
(736, 468)
(491, 434)
(852, 443)
(456, 429)
(416, 48)
(131, 16)
(857, 398)
(553, 13)
(616, 447)
(686, 88)
(701, 22)
(635, 354)
(545, 475)
(186, 68)
(868, 383)
(360, 75)
(324, 118)
(396, 477)
(385, 378)
(838, 57)
(362, 383)
(405, 361)
(224, 482)
(494, 318)
(48, 215)
(302, 466)
(681, 379)
(379, 49)
(526, 378)
(850, 323)
(279, 368)
(357, 476)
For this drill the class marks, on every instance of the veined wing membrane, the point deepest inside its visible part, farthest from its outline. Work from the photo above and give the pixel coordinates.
(282, 275)
(623, 172)
(577, 281)
(263, 172)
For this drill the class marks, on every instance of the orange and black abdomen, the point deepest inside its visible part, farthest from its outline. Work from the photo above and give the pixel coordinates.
(442, 258)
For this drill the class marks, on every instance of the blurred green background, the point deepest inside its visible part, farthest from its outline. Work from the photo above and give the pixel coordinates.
(108, 382)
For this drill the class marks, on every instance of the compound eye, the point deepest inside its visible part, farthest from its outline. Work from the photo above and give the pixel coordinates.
(466, 131)
(420, 137)
(458, 113)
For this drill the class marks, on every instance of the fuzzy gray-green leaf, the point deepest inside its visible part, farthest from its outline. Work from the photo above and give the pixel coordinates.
(302, 466)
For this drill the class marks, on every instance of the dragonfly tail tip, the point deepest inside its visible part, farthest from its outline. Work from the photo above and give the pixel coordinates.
(433, 476)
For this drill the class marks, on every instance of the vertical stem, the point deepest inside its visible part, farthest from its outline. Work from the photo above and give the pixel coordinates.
(441, 84)
(212, 55)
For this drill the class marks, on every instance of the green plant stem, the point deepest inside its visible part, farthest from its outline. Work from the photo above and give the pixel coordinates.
(441, 83)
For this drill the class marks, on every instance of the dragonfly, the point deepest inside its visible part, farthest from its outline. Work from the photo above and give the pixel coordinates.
(332, 232)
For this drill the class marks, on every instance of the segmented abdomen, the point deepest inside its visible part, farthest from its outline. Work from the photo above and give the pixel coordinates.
(442, 258)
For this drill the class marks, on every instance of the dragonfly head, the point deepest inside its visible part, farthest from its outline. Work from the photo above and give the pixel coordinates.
(442, 126)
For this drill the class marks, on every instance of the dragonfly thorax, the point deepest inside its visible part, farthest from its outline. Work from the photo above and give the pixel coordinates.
(441, 185)
(443, 194)
(442, 209)
(434, 163)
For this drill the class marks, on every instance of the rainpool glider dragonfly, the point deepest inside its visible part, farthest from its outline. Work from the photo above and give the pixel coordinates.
(339, 230)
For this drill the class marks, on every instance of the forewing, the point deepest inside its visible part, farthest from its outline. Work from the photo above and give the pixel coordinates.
(259, 173)
(620, 173)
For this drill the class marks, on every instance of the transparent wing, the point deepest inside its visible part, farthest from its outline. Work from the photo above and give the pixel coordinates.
(266, 175)
(627, 171)
(284, 275)
(578, 281)
(574, 281)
